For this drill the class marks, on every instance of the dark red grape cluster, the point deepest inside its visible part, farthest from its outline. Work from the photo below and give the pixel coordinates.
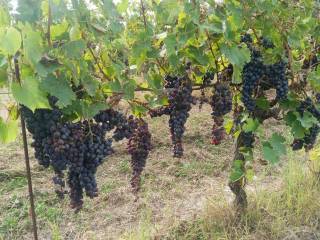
(79, 147)
(76, 147)
(206, 81)
(139, 146)
(221, 101)
(40, 124)
(221, 104)
(180, 100)
(317, 97)
(218, 132)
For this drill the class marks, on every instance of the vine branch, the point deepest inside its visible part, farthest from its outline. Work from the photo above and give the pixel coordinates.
(49, 24)
(143, 14)
(97, 63)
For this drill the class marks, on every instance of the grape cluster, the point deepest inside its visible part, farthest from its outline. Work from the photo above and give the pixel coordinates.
(277, 75)
(310, 138)
(307, 105)
(310, 62)
(39, 124)
(218, 132)
(206, 81)
(246, 38)
(139, 146)
(111, 119)
(266, 43)
(248, 139)
(221, 101)
(207, 78)
(226, 74)
(252, 72)
(221, 104)
(172, 82)
(82, 147)
(78, 147)
(255, 73)
(317, 96)
(180, 100)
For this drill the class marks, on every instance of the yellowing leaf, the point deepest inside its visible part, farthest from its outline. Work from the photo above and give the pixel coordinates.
(8, 131)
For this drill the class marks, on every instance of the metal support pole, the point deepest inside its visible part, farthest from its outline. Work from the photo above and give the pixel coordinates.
(26, 156)
(27, 160)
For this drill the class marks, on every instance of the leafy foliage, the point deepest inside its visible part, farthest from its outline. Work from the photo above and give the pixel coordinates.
(93, 55)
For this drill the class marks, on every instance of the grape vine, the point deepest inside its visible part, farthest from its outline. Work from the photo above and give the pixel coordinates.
(114, 54)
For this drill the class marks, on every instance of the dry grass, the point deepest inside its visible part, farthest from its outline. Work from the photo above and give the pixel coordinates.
(285, 208)
(184, 198)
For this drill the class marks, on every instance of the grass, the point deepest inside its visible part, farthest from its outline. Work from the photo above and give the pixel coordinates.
(184, 198)
(288, 211)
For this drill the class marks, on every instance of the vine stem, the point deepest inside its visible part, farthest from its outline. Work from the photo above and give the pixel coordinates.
(27, 160)
(211, 50)
(143, 14)
(49, 24)
(97, 63)
(290, 59)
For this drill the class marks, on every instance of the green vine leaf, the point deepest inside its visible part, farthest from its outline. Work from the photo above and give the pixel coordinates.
(274, 148)
(314, 79)
(74, 49)
(237, 171)
(29, 94)
(32, 46)
(59, 88)
(251, 125)
(269, 153)
(11, 41)
(237, 56)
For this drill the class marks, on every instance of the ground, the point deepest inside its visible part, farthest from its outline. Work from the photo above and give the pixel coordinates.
(185, 198)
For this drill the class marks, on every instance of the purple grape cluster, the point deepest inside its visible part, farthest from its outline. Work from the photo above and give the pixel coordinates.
(255, 73)
(139, 146)
(180, 100)
(310, 138)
